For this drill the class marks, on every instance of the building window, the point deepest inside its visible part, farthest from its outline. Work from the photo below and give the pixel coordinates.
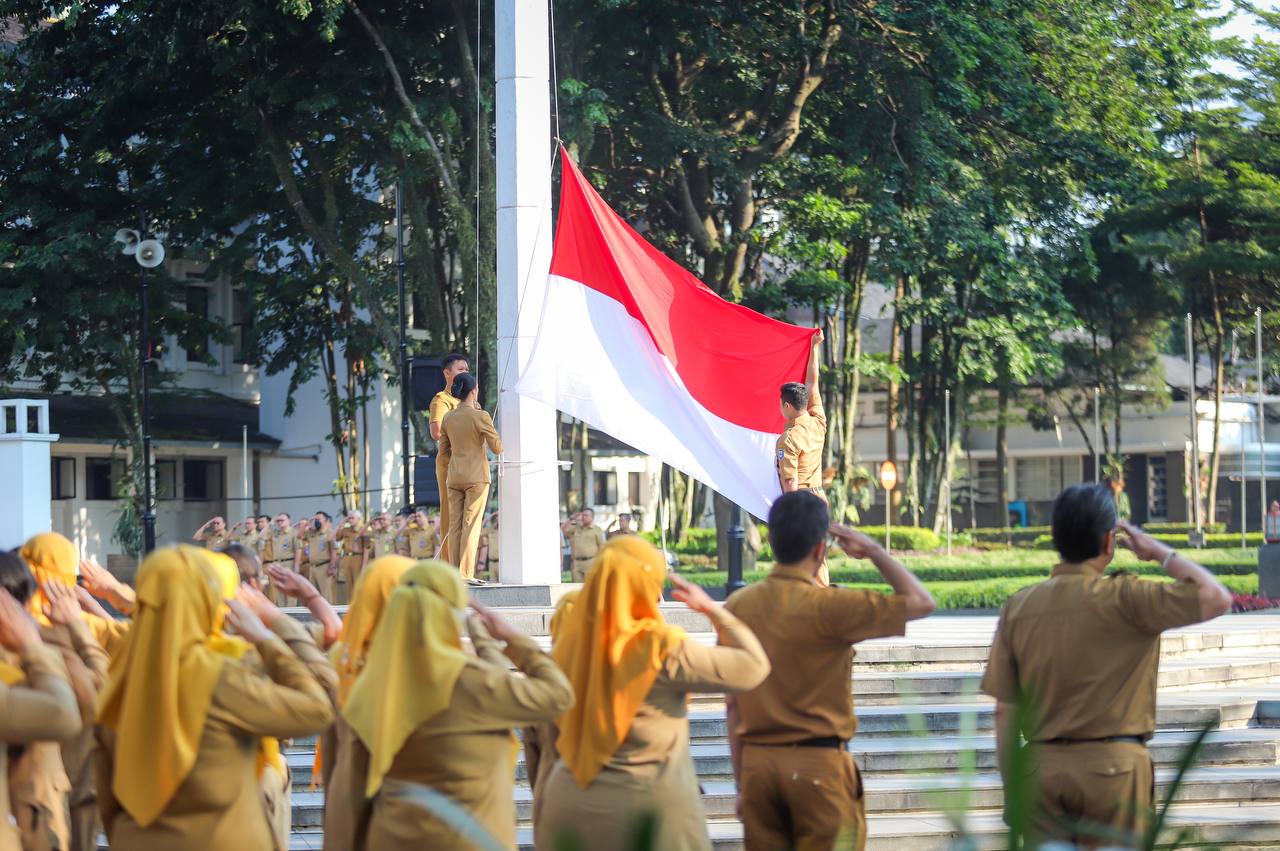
(166, 479)
(633, 490)
(1044, 478)
(880, 407)
(242, 331)
(198, 305)
(987, 480)
(1157, 487)
(606, 488)
(202, 480)
(102, 478)
(64, 478)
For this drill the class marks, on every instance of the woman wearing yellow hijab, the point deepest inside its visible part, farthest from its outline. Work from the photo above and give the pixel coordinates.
(424, 712)
(54, 559)
(624, 747)
(179, 721)
(540, 741)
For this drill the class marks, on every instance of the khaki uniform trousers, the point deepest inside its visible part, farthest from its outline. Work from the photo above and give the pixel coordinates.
(277, 596)
(325, 584)
(1092, 794)
(446, 513)
(348, 571)
(801, 798)
(276, 800)
(466, 513)
(578, 570)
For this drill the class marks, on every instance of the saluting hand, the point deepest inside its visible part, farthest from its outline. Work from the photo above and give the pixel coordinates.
(246, 624)
(1140, 543)
(63, 607)
(98, 581)
(854, 543)
(497, 625)
(693, 596)
(18, 632)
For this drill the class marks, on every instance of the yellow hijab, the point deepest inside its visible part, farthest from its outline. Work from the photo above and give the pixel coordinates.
(563, 607)
(373, 588)
(161, 683)
(413, 664)
(231, 645)
(54, 558)
(611, 645)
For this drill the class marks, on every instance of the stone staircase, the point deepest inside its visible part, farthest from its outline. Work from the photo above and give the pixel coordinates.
(927, 753)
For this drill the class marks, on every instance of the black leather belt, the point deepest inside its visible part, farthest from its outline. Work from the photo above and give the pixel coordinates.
(1131, 740)
(834, 742)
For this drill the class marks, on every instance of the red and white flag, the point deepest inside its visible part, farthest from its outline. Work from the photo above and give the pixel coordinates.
(640, 349)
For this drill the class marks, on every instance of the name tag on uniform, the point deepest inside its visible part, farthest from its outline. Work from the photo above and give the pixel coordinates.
(782, 453)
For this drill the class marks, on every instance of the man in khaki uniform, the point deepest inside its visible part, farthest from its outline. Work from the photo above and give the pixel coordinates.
(213, 534)
(1083, 649)
(441, 404)
(382, 539)
(322, 557)
(417, 539)
(624, 527)
(279, 546)
(798, 786)
(799, 447)
(585, 540)
(353, 540)
(262, 528)
(245, 533)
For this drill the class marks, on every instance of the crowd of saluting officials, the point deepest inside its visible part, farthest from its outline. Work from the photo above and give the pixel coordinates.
(155, 712)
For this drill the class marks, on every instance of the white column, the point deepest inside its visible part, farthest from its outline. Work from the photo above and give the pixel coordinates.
(527, 483)
(25, 469)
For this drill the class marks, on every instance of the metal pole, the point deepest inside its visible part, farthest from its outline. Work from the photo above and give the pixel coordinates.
(736, 535)
(144, 358)
(1262, 428)
(244, 465)
(404, 350)
(1194, 465)
(888, 519)
(946, 463)
(1097, 438)
(1244, 522)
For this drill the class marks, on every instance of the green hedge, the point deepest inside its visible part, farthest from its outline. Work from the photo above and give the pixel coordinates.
(905, 537)
(702, 542)
(1212, 540)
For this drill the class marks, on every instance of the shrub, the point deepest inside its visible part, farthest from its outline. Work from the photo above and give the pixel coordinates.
(906, 537)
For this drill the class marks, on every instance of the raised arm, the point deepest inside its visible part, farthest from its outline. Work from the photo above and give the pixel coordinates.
(919, 602)
(811, 382)
(1215, 599)
(736, 663)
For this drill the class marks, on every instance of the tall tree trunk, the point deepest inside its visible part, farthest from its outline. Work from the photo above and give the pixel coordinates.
(1002, 446)
(893, 400)
(1219, 379)
(855, 273)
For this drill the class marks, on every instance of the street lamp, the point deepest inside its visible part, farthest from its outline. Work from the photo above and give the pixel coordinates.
(735, 535)
(149, 253)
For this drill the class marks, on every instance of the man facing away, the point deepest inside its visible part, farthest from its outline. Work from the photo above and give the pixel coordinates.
(441, 404)
(799, 447)
(1083, 650)
(798, 786)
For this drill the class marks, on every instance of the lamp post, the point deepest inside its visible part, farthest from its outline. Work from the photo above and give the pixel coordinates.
(1194, 463)
(888, 481)
(404, 348)
(149, 253)
(735, 535)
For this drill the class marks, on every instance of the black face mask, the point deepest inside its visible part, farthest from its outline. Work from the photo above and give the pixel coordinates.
(317, 524)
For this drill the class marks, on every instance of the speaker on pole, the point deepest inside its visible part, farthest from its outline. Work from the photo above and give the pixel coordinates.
(425, 381)
(425, 489)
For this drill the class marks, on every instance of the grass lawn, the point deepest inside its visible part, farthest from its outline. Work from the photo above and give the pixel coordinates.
(985, 579)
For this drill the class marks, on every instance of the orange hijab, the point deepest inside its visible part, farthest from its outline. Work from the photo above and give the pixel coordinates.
(160, 685)
(54, 558)
(611, 643)
(368, 602)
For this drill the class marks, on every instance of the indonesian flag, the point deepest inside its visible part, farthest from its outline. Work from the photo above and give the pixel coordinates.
(640, 349)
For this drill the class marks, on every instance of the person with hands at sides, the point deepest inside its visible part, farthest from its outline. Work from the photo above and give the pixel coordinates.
(1081, 652)
(624, 746)
(426, 713)
(453, 365)
(179, 708)
(38, 707)
(798, 785)
(465, 433)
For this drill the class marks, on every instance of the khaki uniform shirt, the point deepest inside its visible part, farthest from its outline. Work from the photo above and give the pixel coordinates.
(351, 541)
(807, 632)
(215, 542)
(248, 540)
(1085, 648)
(279, 546)
(800, 450)
(464, 434)
(320, 548)
(441, 404)
(585, 542)
(420, 543)
(382, 542)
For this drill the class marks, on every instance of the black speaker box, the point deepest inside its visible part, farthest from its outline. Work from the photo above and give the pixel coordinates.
(425, 491)
(425, 381)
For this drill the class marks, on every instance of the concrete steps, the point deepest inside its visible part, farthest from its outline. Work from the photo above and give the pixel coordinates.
(925, 747)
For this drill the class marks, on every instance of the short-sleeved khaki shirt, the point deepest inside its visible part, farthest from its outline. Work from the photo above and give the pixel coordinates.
(216, 542)
(441, 404)
(585, 542)
(382, 542)
(807, 632)
(1085, 649)
(279, 546)
(799, 450)
(320, 548)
